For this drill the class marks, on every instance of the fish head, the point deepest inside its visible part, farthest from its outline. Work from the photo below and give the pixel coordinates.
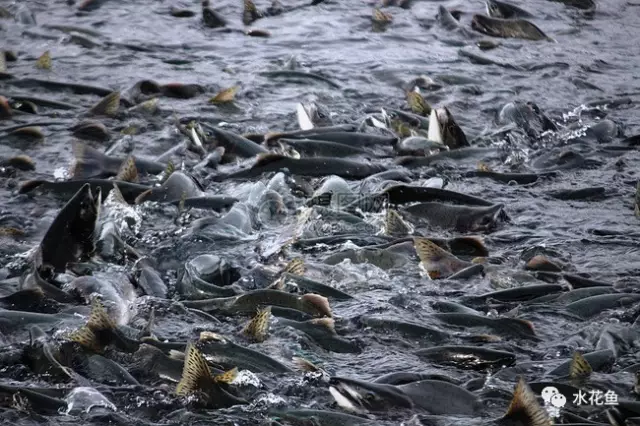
(452, 134)
(446, 18)
(485, 219)
(360, 396)
(318, 114)
(89, 206)
(493, 9)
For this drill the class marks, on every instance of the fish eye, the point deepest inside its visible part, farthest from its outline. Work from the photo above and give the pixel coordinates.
(370, 396)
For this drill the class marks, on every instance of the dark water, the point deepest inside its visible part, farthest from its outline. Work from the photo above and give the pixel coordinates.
(588, 75)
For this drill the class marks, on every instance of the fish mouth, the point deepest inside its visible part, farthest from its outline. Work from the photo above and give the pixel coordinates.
(318, 115)
(347, 397)
(492, 9)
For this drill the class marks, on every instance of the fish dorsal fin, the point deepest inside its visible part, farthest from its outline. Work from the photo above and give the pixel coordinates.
(128, 171)
(143, 195)
(117, 196)
(318, 303)
(44, 61)
(225, 95)
(432, 257)
(227, 377)
(168, 171)
(86, 338)
(484, 167)
(472, 243)
(394, 225)
(579, 366)
(195, 372)
(99, 319)
(107, 106)
(381, 17)
(258, 327)
(327, 323)
(207, 336)
(250, 12)
(78, 149)
(435, 132)
(266, 158)
(305, 365)
(418, 104)
(36, 334)
(295, 267)
(524, 405)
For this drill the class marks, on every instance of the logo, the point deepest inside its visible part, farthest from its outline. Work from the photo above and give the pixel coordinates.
(554, 401)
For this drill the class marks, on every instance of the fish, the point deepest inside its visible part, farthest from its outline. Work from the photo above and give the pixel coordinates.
(248, 302)
(91, 164)
(434, 396)
(108, 106)
(178, 185)
(418, 104)
(150, 361)
(314, 147)
(395, 225)
(467, 356)
(520, 294)
(437, 262)
(313, 167)
(594, 305)
(322, 331)
(313, 114)
(258, 327)
(197, 379)
(458, 218)
(130, 191)
(418, 145)
(100, 331)
(223, 351)
(352, 138)
(525, 409)
(234, 144)
(250, 13)
(92, 130)
(210, 17)
(307, 285)
(74, 228)
(502, 10)
(403, 194)
(444, 129)
(405, 328)
(507, 28)
(503, 326)
(447, 20)
(20, 162)
(149, 279)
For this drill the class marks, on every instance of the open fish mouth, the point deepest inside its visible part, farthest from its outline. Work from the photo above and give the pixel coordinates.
(347, 397)
(313, 114)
